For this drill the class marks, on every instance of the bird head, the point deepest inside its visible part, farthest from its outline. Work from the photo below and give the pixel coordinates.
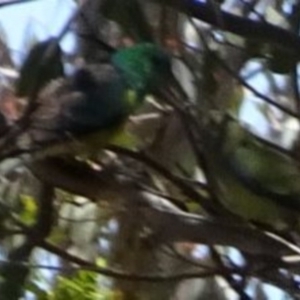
(145, 67)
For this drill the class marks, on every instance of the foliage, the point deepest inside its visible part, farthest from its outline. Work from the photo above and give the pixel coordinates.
(80, 286)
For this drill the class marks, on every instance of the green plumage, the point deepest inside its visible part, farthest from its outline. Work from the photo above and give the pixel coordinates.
(254, 180)
(99, 98)
(267, 171)
(145, 67)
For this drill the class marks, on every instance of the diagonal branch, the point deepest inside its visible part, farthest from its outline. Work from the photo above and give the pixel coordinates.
(245, 27)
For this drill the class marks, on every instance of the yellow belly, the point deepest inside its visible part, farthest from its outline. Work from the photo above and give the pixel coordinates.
(87, 145)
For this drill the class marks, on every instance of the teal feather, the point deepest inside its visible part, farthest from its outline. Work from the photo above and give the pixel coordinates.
(144, 67)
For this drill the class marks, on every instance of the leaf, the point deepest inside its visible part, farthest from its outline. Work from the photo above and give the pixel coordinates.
(235, 39)
(43, 63)
(273, 16)
(101, 262)
(81, 286)
(29, 210)
(130, 16)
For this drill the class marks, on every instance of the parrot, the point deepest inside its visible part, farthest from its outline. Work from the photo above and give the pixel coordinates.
(89, 108)
(253, 179)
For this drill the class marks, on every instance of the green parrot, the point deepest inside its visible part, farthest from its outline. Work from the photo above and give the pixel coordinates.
(89, 108)
(255, 180)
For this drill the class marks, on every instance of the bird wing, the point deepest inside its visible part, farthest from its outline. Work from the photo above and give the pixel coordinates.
(46, 120)
(226, 165)
(269, 173)
(69, 108)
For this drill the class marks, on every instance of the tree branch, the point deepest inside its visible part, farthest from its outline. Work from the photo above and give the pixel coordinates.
(247, 28)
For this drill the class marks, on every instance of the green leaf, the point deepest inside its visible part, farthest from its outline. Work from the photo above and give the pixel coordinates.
(81, 286)
(29, 210)
(43, 63)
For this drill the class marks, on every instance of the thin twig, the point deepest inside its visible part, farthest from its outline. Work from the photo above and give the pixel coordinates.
(14, 2)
